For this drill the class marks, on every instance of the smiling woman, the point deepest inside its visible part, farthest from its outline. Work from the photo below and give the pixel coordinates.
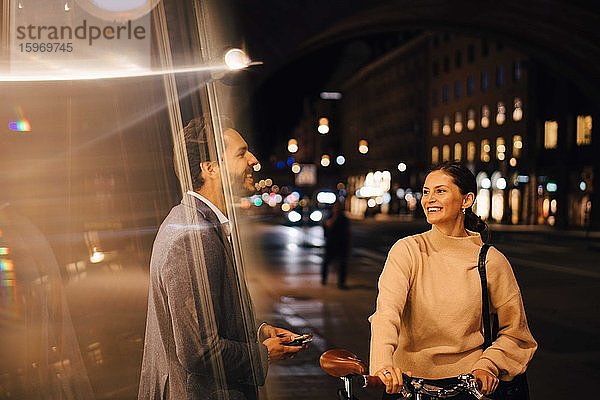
(430, 292)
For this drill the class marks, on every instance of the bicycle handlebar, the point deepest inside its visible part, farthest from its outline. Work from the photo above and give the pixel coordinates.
(344, 364)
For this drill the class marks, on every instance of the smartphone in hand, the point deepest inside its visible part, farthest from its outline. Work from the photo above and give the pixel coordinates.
(299, 340)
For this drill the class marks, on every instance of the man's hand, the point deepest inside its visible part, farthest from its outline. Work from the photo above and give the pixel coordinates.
(267, 331)
(278, 351)
(489, 382)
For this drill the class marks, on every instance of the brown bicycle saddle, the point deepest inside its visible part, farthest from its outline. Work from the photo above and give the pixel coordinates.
(340, 362)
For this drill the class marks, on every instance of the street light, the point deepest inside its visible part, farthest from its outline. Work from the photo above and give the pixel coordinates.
(292, 145)
(340, 160)
(325, 160)
(363, 146)
(323, 126)
(401, 167)
(236, 59)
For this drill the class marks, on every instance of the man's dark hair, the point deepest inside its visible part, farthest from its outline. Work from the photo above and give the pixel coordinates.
(196, 145)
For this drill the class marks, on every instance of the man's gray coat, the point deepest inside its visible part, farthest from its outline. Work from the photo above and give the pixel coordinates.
(194, 349)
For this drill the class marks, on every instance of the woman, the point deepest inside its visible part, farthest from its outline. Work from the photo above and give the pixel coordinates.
(428, 316)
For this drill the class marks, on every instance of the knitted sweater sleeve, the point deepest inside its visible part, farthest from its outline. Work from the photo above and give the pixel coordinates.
(514, 346)
(394, 283)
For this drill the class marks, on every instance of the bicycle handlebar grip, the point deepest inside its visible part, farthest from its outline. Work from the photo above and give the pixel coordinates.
(373, 381)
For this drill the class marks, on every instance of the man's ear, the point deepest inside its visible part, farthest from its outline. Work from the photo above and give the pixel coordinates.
(468, 200)
(209, 168)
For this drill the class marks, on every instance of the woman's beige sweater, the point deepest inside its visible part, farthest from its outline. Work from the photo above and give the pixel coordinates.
(428, 316)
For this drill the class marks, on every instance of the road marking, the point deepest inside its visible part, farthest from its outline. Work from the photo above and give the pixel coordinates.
(555, 268)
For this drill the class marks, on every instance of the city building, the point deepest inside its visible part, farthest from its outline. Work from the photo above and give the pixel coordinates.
(382, 117)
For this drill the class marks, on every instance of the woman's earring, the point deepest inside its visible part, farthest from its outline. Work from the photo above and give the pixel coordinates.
(464, 210)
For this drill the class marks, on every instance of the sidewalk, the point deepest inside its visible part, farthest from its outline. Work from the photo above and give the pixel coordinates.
(495, 227)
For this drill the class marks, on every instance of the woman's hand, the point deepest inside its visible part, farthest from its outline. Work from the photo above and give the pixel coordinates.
(488, 381)
(392, 378)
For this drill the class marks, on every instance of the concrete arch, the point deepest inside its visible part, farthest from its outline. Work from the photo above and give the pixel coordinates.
(562, 34)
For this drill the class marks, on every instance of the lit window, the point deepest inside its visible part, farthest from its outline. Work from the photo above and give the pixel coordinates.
(471, 119)
(584, 130)
(518, 111)
(435, 127)
(471, 150)
(551, 134)
(446, 127)
(435, 155)
(517, 145)
(500, 149)
(501, 114)
(485, 116)
(458, 122)
(446, 153)
(485, 150)
(458, 151)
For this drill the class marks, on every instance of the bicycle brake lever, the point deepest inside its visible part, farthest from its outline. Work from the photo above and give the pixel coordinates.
(471, 383)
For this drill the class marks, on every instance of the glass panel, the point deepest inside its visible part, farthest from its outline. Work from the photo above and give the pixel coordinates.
(92, 174)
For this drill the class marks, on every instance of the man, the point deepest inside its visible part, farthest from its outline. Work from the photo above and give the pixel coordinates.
(337, 244)
(201, 341)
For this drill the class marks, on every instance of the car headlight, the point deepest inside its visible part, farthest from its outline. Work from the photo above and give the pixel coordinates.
(294, 216)
(316, 215)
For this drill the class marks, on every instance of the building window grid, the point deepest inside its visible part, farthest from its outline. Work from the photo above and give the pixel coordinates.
(500, 149)
(457, 89)
(550, 134)
(500, 113)
(435, 127)
(471, 119)
(445, 93)
(485, 116)
(471, 151)
(499, 75)
(470, 85)
(458, 152)
(584, 130)
(435, 155)
(485, 150)
(484, 81)
(458, 122)
(446, 152)
(446, 129)
(517, 70)
(517, 146)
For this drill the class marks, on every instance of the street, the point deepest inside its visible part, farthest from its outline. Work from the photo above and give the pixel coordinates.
(557, 273)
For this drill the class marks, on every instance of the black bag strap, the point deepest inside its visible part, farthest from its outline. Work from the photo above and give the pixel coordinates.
(485, 303)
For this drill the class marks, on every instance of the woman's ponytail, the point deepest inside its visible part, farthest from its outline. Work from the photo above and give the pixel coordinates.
(474, 223)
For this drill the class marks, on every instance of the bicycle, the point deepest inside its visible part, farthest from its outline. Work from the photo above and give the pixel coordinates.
(343, 364)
